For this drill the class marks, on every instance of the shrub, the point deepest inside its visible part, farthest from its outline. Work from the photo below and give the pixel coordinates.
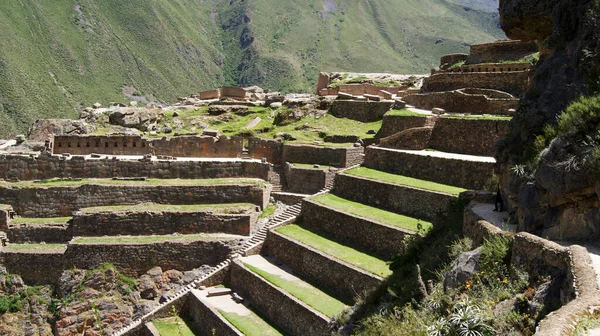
(10, 304)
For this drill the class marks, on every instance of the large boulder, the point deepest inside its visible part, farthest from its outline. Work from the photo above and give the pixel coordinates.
(44, 128)
(465, 266)
(139, 118)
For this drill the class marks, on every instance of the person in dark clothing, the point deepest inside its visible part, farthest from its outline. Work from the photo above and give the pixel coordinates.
(498, 204)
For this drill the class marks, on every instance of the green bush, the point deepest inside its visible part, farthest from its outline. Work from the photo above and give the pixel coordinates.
(10, 304)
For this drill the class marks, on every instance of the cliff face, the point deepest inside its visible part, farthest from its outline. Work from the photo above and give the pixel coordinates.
(554, 198)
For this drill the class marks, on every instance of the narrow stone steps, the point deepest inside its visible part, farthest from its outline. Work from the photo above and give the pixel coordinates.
(407, 200)
(343, 271)
(222, 315)
(293, 304)
(374, 236)
(460, 170)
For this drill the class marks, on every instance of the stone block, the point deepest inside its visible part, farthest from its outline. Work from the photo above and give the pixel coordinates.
(385, 94)
(372, 97)
(438, 111)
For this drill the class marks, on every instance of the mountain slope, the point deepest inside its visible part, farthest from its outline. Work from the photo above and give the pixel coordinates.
(59, 55)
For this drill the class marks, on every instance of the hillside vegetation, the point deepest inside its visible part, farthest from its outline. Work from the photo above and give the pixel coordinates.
(59, 55)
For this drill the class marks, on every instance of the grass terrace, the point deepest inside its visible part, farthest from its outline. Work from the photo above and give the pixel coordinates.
(310, 295)
(311, 166)
(372, 213)
(405, 113)
(250, 324)
(347, 254)
(40, 221)
(173, 326)
(218, 208)
(184, 182)
(34, 248)
(154, 239)
(403, 180)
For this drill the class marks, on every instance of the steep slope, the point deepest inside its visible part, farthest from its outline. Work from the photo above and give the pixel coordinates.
(55, 55)
(59, 55)
(287, 44)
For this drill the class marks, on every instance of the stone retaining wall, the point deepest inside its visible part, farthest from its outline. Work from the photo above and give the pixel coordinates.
(306, 180)
(344, 280)
(207, 320)
(339, 157)
(365, 111)
(361, 233)
(507, 50)
(467, 136)
(455, 172)
(149, 222)
(463, 101)
(43, 167)
(294, 316)
(413, 202)
(64, 200)
(179, 146)
(515, 83)
(272, 150)
(394, 124)
(33, 233)
(131, 259)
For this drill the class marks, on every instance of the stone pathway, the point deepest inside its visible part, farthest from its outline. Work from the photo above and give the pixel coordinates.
(499, 219)
(222, 302)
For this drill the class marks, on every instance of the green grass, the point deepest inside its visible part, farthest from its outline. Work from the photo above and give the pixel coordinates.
(173, 326)
(347, 254)
(40, 221)
(403, 180)
(219, 208)
(310, 295)
(372, 213)
(250, 325)
(478, 117)
(404, 113)
(152, 239)
(35, 247)
(186, 182)
(268, 211)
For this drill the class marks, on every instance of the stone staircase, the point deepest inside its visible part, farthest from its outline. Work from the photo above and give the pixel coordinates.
(277, 178)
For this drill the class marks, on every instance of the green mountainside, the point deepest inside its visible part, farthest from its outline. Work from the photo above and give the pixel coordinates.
(59, 55)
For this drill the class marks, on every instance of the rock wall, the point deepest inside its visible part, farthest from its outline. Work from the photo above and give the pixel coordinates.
(342, 279)
(515, 83)
(207, 320)
(467, 136)
(45, 167)
(365, 111)
(449, 60)
(64, 200)
(295, 317)
(131, 259)
(339, 157)
(306, 180)
(360, 233)
(465, 101)
(35, 233)
(456, 172)
(149, 222)
(507, 50)
(393, 124)
(178, 146)
(426, 205)
(4, 216)
(271, 150)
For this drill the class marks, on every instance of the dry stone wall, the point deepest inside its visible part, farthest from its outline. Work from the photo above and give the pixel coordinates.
(507, 50)
(467, 136)
(455, 172)
(365, 111)
(17, 167)
(64, 200)
(343, 279)
(100, 223)
(306, 180)
(465, 101)
(339, 157)
(393, 124)
(207, 320)
(515, 83)
(34, 233)
(271, 150)
(426, 205)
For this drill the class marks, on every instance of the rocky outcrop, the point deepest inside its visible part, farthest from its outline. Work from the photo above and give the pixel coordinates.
(559, 193)
(42, 129)
(140, 118)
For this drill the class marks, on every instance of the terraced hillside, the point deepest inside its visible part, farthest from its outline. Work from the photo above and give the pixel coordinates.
(56, 56)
